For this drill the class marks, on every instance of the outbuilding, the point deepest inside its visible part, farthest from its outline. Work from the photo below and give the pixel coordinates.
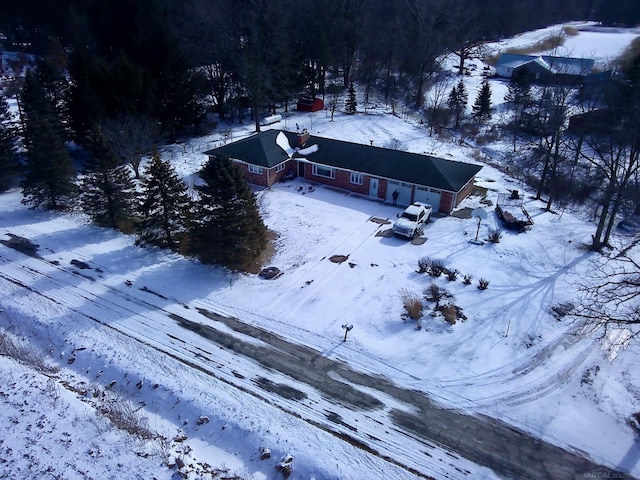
(310, 104)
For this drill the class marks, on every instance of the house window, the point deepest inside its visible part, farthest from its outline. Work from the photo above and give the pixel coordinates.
(321, 171)
(255, 169)
(357, 178)
(280, 168)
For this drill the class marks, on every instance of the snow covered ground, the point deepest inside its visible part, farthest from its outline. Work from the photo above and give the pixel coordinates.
(101, 312)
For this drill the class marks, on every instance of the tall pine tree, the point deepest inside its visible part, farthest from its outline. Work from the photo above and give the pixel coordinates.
(164, 205)
(228, 229)
(351, 104)
(107, 190)
(482, 105)
(49, 170)
(9, 165)
(457, 101)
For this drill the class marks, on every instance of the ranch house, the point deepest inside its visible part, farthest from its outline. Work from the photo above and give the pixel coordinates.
(272, 156)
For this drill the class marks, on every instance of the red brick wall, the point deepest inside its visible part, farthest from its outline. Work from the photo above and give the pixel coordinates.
(342, 180)
(446, 202)
(268, 177)
(465, 192)
(251, 177)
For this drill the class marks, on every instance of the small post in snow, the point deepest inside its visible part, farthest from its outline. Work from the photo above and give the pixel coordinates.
(347, 329)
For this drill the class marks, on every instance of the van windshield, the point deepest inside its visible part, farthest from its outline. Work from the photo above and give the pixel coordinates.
(410, 216)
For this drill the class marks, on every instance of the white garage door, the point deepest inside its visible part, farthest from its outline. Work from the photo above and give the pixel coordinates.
(428, 195)
(403, 189)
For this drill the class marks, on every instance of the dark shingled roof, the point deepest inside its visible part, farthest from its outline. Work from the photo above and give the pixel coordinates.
(261, 149)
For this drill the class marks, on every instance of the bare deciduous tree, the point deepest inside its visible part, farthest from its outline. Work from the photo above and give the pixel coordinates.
(610, 299)
(130, 137)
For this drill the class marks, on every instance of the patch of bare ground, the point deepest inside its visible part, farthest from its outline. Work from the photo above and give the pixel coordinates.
(265, 256)
(338, 258)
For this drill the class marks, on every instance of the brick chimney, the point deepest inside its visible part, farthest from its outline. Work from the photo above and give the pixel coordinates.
(303, 137)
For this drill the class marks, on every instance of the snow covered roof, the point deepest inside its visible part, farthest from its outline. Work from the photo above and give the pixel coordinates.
(559, 65)
(262, 149)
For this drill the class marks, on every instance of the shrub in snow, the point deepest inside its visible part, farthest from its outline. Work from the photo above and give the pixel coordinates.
(24, 353)
(423, 264)
(435, 293)
(126, 417)
(452, 313)
(202, 420)
(285, 466)
(265, 453)
(483, 284)
(412, 304)
(452, 274)
(467, 279)
(494, 236)
(561, 310)
(436, 268)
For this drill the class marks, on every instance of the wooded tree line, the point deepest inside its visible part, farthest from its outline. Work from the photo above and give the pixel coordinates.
(169, 61)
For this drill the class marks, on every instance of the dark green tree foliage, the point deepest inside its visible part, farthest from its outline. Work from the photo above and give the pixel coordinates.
(49, 171)
(164, 205)
(228, 229)
(482, 105)
(351, 104)
(457, 101)
(9, 165)
(107, 190)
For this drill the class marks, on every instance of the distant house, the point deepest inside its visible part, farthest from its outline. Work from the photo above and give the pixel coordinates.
(273, 155)
(545, 68)
(309, 104)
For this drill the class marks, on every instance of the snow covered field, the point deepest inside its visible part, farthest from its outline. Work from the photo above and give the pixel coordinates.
(103, 311)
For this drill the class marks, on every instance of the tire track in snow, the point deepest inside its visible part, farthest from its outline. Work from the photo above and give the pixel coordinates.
(421, 426)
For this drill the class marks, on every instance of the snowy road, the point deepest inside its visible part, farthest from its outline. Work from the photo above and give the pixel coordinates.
(402, 426)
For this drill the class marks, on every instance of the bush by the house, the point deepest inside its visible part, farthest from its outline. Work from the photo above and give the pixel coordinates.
(412, 304)
(467, 280)
(483, 284)
(452, 274)
(435, 293)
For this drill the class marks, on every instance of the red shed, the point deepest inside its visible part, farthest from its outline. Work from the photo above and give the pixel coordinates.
(309, 104)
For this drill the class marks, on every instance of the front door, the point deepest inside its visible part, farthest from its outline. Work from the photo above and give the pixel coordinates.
(301, 169)
(373, 187)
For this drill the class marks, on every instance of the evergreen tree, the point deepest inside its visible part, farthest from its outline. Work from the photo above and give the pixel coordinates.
(49, 170)
(9, 165)
(107, 190)
(519, 98)
(228, 229)
(164, 205)
(482, 105)
(457, 101)
(351, 104)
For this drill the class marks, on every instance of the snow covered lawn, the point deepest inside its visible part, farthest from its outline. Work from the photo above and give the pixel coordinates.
(510, 359)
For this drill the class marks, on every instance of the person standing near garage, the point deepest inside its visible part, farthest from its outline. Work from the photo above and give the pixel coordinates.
(395, 197)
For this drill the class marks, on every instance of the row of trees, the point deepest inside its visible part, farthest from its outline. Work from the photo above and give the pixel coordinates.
(170, 61)
(218, 223)
(581, 145)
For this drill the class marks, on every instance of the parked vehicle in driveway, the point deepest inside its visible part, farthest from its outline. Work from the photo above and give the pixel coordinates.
(412, 221)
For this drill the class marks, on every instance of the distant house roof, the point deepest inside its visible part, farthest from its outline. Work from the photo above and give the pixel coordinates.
(559, 65)
(261, 149)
